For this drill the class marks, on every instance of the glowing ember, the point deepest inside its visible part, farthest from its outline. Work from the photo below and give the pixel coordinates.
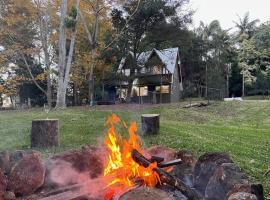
(121, 166)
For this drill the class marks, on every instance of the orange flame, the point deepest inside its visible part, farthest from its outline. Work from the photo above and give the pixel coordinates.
(121, 166)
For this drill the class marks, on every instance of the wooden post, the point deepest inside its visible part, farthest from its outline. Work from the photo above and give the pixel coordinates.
(150, 124)
(44, 133)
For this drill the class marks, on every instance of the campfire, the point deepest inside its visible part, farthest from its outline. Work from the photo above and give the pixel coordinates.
(122, 170)
(128, 167)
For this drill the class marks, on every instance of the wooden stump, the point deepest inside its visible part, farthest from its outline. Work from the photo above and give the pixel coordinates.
(44, 133)
(150, 124)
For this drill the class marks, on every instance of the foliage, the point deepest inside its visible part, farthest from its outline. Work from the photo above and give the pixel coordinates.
(247, 57)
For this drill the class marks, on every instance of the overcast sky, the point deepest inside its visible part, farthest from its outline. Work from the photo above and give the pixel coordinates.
(226, 10)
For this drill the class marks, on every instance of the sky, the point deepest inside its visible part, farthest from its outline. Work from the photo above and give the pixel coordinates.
(226, 11)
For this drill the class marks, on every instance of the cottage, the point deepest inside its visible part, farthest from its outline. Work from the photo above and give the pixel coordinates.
(156, 79)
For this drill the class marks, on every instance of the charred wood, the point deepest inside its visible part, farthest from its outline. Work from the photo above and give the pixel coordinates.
(166, 177)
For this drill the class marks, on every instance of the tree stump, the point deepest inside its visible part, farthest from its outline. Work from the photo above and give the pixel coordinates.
(150, 124)
(44, 133)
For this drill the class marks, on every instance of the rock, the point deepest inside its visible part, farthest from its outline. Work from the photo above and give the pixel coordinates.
(85, 163)
(227, 177)
(242, 196)
(239, 188)
(27, 175)
(3, 184)
(206, 166)
(161, 151)
(146, 193)
(257, 189)
(4, 161)
(9, 196)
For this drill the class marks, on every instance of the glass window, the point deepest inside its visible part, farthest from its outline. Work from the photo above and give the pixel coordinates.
(165, 89)
(139, 91)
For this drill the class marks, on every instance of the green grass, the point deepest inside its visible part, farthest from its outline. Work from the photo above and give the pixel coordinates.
(239, 128)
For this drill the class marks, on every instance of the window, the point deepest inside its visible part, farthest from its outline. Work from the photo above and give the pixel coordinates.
(156, 70)
(165, 89)
(140, 91)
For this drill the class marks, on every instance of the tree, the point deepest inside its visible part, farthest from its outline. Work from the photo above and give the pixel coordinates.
(25, 25)
(248, 62)
(65, 59)
(215, 55)
(245, 26)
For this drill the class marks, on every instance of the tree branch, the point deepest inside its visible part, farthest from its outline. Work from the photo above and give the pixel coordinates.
(32, 76)
(89, 36)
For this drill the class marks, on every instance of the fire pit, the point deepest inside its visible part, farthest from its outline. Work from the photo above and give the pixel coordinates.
(122, 170)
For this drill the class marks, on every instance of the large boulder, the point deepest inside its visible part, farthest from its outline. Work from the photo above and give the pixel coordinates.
(227, 178)
(206, 166)
(74, 166)
(27, 175)
(3, 184)
(242, 196)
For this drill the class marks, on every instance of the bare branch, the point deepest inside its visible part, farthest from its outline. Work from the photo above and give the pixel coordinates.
(32, 76)
(89, 36)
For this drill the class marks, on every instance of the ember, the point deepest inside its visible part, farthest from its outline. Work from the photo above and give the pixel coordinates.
(121, 167)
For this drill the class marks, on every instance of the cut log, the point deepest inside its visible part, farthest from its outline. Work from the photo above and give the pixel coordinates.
(150, 124)
(44, 133)
(201, 104)
(166, 177)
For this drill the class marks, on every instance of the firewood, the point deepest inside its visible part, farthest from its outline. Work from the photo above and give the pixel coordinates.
(170, 163)
(65, 193)
(166, 177)
(157, 159)
(68, 195)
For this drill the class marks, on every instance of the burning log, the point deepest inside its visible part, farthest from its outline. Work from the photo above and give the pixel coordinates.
(170, 163)
(166, 177)
(157, 159)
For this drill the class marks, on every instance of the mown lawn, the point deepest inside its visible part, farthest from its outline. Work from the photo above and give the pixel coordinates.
(239, 128)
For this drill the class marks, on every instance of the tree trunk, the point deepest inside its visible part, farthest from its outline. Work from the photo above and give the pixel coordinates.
(65, 63)
(44, 133)
(49, 91)
(129, 90)
(61, 94)
(75, 95)
(91, 76)
(243, 86)
(150, 124)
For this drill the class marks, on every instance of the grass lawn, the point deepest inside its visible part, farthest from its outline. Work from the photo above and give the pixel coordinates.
(239, 128)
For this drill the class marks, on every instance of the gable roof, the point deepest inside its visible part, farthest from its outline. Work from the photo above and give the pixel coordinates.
(167, 56)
